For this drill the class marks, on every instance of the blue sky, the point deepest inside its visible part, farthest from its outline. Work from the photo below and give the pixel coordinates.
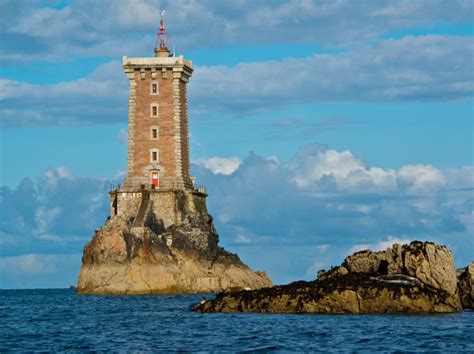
(357, 115)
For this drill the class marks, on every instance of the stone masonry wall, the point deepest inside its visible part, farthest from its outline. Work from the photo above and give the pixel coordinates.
(165, 144)
(170, 206)
(171, 121)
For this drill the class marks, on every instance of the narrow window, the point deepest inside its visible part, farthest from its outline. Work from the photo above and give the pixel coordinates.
(154, 133)
(154, 156)
(154, 110)
(154, 87)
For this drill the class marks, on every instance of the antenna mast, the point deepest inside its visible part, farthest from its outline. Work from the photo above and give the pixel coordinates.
(161, 44)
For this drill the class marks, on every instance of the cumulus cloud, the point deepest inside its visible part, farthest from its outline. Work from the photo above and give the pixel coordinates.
(421, 177)
(291, 219)
(223, 165)
(58, 213)
(333, 198)
(380, 245)
(316, 165)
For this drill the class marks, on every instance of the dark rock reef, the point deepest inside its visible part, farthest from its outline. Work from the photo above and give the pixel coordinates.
(415, 278)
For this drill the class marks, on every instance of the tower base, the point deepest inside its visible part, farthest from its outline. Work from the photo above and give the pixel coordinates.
(163, 242)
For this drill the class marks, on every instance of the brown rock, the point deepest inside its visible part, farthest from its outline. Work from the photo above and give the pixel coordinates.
(364, 262)
(182, 259)
(430, 263)
(466, 286)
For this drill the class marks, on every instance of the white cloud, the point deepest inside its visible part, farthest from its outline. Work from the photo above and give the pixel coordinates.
(242, 239)
(322, 261)
(44, 217)
(54, 175)
(222, 165)
(101, 97)
(31, 264)
(418, 178)
(380, 245)
(324, 162)
(317, 163)
(123, 137)
(438, 68)
(57, 214)
(36, 270)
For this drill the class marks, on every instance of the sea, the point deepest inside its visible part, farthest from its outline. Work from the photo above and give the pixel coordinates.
(60, 320)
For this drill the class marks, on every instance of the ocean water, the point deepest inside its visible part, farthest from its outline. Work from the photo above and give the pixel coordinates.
(60, 320)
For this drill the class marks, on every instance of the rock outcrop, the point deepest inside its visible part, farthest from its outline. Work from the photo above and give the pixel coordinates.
(430, 263)
(415, 278)
(466, 286)
(182, 258)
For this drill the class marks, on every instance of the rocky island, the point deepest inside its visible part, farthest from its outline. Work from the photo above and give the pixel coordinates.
(159, 237)
(184, 257)
(415, 278)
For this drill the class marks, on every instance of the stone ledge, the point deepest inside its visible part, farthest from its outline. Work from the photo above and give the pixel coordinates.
(158, 61)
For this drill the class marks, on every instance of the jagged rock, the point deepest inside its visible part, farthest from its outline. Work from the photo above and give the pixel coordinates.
(365, 262)
(185, 258)
(430, 263)
(466, 286)
(414, 278)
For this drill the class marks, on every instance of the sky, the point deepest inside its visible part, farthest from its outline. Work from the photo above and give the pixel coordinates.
(318, 127)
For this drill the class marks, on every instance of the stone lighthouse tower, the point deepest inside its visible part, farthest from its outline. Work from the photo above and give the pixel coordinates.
(160, 238)
(158, 139)
(158, 177)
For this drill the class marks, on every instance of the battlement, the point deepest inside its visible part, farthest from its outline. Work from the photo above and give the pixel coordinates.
(164, 62)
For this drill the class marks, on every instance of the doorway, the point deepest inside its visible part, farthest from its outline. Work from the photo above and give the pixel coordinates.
(154, 180)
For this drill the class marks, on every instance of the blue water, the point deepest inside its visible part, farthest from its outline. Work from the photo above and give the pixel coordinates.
(58, 320)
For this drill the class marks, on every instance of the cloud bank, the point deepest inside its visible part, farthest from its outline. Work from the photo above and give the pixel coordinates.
(290, 219)
(33, 30)
(423, 68)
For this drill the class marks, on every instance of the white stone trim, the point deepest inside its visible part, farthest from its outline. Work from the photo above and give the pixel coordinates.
(131, 119)
(157, 61)
(177, 124)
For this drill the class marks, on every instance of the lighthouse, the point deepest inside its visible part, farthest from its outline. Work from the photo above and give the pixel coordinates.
(158, 176)
(160, 238)
(158, 137)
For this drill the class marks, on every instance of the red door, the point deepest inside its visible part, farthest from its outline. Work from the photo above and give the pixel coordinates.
(154, 180)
